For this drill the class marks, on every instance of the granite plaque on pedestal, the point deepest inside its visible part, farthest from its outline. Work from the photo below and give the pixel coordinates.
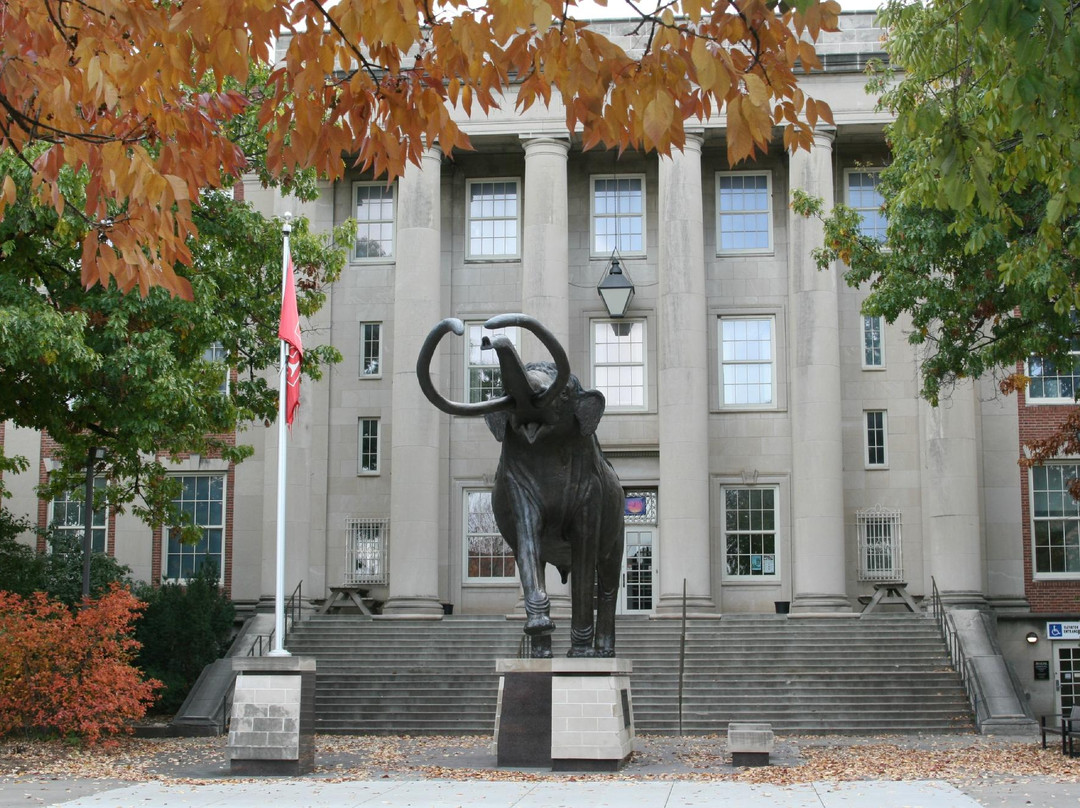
(588, 723)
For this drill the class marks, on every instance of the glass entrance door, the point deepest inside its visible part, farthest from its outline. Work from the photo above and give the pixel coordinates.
(637, 583)
(1067, 676)
(636, 595)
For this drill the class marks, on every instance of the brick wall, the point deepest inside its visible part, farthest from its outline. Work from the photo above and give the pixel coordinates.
(49, 449)
(1057, 596)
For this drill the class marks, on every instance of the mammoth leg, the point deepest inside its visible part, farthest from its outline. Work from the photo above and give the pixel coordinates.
(608, 571)
(582, 576)
(538, 622)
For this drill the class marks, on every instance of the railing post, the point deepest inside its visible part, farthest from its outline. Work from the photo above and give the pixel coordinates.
(682, 655)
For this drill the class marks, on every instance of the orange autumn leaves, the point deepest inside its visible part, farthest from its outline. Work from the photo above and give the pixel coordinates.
(71, 671)
(131, 94)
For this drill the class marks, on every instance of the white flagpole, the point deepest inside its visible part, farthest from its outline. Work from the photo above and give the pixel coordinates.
(279, 590)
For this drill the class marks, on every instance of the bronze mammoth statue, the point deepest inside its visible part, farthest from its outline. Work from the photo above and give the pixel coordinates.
(556, 498)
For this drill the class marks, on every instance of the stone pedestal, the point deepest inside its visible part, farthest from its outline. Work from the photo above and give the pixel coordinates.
(272, 729)
(750, 744)
(566, 714)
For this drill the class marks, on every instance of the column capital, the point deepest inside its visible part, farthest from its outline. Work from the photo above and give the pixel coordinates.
(695, 138)
(546, 144)
(824, 136)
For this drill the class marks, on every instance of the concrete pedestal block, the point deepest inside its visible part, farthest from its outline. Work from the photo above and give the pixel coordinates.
(589, 722)
(272, 726)
(750, 744)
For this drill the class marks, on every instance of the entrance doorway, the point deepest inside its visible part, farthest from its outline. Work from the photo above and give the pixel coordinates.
(637, 593)
(1067, 675)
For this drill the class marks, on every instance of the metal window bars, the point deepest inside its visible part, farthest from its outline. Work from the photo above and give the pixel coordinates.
(880, 556)
(365, 550)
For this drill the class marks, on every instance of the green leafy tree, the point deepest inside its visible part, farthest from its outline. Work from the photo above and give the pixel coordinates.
(22, 570)
(129, 373)
(982, 195)
(57, 573)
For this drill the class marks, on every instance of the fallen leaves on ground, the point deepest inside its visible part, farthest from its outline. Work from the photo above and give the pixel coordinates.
(961, 758)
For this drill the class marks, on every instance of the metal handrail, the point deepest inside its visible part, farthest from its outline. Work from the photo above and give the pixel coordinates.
(682, 655)
(293, 607)
(960, 662)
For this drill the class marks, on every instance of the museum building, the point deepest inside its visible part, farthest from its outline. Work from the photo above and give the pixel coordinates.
(769, 437)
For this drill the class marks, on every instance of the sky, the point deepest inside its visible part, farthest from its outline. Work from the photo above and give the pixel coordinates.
(614, 7)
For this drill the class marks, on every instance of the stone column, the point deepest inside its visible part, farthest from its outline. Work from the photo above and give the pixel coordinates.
(545, 273)
(416, 425)
(682, 383)
(545, 242)
(951, 494)
(813, 341)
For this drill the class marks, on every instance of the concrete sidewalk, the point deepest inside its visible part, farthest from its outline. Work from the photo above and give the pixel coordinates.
(316, 793)
(319, 792)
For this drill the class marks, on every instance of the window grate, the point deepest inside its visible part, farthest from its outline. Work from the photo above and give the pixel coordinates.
(880, 556)
(365, 551)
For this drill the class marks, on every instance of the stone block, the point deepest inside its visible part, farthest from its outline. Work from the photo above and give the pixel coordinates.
(750, 744)
(272, 728)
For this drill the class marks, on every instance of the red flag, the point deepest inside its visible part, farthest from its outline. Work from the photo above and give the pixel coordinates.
(289, 330)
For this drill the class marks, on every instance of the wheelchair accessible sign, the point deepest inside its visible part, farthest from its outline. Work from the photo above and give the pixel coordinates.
(1063, 631)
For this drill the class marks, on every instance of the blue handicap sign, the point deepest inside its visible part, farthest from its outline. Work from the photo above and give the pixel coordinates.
(1054, 631)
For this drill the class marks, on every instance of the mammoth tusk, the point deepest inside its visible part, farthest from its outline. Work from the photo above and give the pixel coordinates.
(423, 375)
(547, 339)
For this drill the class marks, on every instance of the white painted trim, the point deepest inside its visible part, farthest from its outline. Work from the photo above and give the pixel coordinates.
(769, 248)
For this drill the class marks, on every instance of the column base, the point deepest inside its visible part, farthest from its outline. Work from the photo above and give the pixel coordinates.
(1009, 605)
(425, 608)
(672, 606)
(964, 599)
(806, 602)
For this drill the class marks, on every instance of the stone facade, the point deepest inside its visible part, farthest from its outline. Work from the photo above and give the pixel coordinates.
(765, 459)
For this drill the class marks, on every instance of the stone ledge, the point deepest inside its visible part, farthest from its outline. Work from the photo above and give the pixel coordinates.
(563, 666)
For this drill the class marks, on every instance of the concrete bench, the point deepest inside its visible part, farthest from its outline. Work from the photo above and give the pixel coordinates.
(750, 744)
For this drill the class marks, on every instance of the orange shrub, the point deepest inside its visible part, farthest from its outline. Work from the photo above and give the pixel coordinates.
(70, 671)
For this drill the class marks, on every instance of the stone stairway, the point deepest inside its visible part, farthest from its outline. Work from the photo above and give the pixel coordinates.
(803, 675)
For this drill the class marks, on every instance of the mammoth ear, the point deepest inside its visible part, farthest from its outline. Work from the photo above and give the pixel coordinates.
(589, 408)
(496, 422)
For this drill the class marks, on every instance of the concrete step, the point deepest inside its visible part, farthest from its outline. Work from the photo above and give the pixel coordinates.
(887, 674)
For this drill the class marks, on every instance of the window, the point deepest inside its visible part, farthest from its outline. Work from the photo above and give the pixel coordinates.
(487, 556)
(493, 219)
(1050, 384)
(864, 197)
(370, 350)
(374, 220)
(365, 551)
(618, 215)
(747, 358)
(873, 343)
(750, 532)
(68, 517)
(1055, 519)
(202, 501)
(619, 362)
(368, 445)
(876, 455)
(743, 212)
(216, 354)
(482, 366)
(880, 558)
